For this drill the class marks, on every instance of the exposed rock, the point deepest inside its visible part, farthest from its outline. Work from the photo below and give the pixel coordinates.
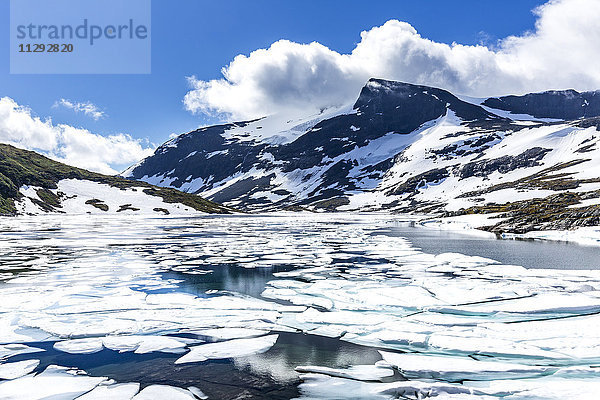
(504, 164)
(559, 104)
(99, 204)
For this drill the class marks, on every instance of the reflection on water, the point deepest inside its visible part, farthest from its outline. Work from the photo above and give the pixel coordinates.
(293, 350)
(269, 375)
(536, 254)
(227, 277)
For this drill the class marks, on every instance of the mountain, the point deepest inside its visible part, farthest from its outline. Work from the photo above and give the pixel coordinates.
(560, 104)
(531, 161)
(33, 184)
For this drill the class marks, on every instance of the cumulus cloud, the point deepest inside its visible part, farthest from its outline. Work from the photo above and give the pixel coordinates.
(561, 52)
(73, 146)
(87, 108)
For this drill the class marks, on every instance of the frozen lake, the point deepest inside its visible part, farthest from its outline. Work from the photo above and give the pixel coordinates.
(291, 306)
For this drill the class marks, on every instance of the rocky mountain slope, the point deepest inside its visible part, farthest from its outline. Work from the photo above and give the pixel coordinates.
(32, 184)
(531, 161)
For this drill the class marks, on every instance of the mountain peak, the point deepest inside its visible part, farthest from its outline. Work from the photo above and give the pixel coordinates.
(425, 103)
(401, 146)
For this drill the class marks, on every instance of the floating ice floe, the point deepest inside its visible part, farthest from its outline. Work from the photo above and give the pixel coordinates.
(197, 392)
(9, 350)
(318, 386)
(54, 382)
(140, 344)
(62, 383)
(155, 392)
(356, 372)
(118, 391)
(80, 346)
(228, 349)
(13, 370)
(229, 333)
(547, 388)
(458, 369)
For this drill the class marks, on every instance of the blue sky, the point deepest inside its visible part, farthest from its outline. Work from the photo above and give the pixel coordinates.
(199, 37)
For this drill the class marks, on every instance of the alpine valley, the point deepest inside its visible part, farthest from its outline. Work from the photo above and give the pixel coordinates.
(511, 164)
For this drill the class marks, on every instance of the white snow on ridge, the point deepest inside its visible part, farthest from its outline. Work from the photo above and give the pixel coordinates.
(77, 192)
(301, 182)
(469, 224)
(283, 128)
(518, 117)
(563, 140)
(589, 236)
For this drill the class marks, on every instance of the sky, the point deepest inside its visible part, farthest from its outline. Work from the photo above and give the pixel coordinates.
(473, 47)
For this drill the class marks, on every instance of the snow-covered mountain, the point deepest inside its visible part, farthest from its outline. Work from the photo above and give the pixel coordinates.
(403, 147)
(31, 184)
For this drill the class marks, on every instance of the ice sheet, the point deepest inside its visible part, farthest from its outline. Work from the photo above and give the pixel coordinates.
(356, 372)
(13, 370)
(458, 369)
(154, 392)
(228, 349)
(54, 382)
(122, 391)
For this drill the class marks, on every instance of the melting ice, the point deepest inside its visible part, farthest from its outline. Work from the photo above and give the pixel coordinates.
(447, 325)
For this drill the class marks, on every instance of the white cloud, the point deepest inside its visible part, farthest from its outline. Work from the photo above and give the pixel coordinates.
(73, 146)
(562, 52)
(87, 108)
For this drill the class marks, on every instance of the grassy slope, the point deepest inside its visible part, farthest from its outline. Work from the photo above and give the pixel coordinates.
(21, 167)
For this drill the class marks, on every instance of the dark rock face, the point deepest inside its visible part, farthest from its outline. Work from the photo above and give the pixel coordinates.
(468, 147)
(203, 152)
(411, 185)
(504, 164)
(403, 107)
(383, 107)
(243, 187)
(563, 104)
